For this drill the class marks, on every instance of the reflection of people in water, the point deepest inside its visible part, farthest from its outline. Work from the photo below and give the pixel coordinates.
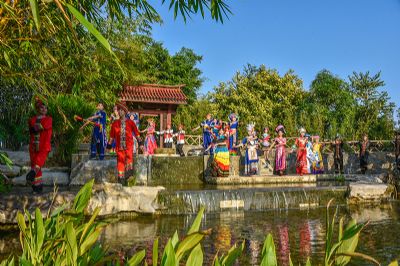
(284, 249)
(253, 247)
(223, 238)
(305, 241)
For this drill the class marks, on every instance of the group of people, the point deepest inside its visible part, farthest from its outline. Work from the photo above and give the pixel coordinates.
(220, 139)
(125, 140)
(147, 146)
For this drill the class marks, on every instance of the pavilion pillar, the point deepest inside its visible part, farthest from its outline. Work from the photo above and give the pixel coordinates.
(161, 128)
(169, 120)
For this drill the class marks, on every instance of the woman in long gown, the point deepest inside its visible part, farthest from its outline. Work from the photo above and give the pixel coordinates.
(150, 143)
(301, 156)
(318, 164)
(220, 164)
(251, 157)
(280, 150)
(233, 133)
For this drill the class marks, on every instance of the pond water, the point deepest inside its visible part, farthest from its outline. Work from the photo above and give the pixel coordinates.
(298, 232)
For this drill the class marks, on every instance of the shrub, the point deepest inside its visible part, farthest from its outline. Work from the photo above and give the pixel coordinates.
(66, 135)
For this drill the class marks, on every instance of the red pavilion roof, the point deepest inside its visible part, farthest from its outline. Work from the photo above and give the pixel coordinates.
(153, 93)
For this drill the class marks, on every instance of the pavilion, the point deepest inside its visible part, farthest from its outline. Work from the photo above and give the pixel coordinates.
(154, 100)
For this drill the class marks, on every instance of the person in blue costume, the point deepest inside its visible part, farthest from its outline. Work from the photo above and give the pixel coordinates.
(207, 132)
(99, 137)
(135, 118)
(233, 132)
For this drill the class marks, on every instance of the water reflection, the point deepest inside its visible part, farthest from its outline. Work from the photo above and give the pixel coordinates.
(299, 233)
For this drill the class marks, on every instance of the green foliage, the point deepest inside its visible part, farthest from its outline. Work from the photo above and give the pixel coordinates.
(66, 133)
(64, 237)
(374, 110)
(14, 114)
(268, 253)
(331, 106)
(262, 96)
(5, 186)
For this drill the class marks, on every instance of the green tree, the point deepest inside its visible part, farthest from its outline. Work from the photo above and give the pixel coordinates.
(374, 114)
(329, 107)
(261, 95)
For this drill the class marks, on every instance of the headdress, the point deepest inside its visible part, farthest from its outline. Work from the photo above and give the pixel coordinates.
(338, 136)
(302, 130)
(316, 137)
(280, 128)
(38, 103)
(232, 115)
(250, 126)
(121, 105)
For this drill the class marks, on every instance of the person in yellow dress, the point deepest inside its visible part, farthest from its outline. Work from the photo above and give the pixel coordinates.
(318, 163)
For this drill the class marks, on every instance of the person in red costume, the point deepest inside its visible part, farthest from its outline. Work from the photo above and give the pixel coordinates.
(122, 130)
(40, 129)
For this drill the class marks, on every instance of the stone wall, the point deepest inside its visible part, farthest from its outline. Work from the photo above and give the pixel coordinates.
(379, 162)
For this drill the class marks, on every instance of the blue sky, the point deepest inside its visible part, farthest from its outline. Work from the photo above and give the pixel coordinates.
(304, 35)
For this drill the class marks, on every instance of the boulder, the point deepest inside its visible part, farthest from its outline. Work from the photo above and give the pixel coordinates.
(113, 198)
(50, 176)
(101, 170)
(367, 192)
(19, 158)
(10, 171)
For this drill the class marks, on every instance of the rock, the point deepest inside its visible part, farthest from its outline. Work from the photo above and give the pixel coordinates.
(366, 192)
(19, 158)
(11, 171)
(113, 198)
(101, 171)
(51, 176)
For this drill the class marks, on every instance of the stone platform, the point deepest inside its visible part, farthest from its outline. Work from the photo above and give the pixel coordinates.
(114, 199)
(260, 179)
(292, 179)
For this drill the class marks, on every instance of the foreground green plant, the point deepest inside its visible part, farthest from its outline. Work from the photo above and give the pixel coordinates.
(63, 237)
(66, 237)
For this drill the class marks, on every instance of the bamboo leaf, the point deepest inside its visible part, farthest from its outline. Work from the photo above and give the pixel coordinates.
(35, 12)
(89, 26)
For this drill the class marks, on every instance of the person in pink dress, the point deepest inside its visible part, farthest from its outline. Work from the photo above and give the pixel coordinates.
(280, 150)
(150, 143)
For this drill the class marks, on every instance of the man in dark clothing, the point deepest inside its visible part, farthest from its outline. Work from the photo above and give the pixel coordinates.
(337, 147)
(364, 153)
